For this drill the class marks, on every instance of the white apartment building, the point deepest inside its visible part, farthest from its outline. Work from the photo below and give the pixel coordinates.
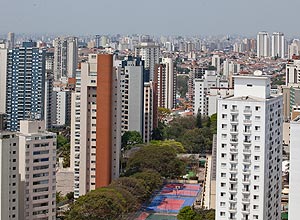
(294, 196)
(278, 45)
(132, 90)
(292, 72)
(263, 44)
(65, 57)
(202, 88)
(9, 176)
(294, 48)
(249, 152)
(37, 168)
(148, 111)
(166, 83)
(83, 128)
(84, 125)
(149, 52)
(216, 62)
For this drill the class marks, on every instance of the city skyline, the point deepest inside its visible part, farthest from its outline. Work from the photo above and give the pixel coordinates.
(163, 17)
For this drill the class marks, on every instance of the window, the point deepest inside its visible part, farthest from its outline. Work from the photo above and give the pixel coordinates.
(255, 206)
(224, 136)
(257, 128)
(257, 108)
(223, 194)
(223, 145)
(224, 116)
(224, 106)
(222, 213)
(223, 155)
(257, 138)
(256, 158)
(256, 187)
(257, 118)
(255, 197)
(223, 175)
(223, 184)
(224, 126)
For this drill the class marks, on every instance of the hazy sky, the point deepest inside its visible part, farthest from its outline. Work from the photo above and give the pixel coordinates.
(185, 17)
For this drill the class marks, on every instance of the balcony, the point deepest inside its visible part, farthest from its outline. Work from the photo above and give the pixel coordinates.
(233, 200)
(234, 121)
(245, 200)
(233, 161)
(246, 151)
(233, 180)
(232, 209)
(233, 190)
(246, 211)
(246, 171)
(234, 131)
(233, 150)
(234, 111)
(233, 170)
(246, 191)
(247, 142)
(246, 161)
(246, 181)
(234, 140)
(247, 112)
(248, 131)
(247, 121)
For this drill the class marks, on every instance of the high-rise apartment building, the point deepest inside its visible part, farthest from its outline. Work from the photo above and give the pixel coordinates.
(3, 76)
(249, 151)
(149, 52)
(292, 72)
(149, 111)
(9, 176)
(294, 176)
(37, 168)
(25, 77)
(202, 95)
(263, 44)
(10, 40)
(132, 90)
(278, 45)
(65, 57)
(95, 124)
(165, 77)
(216, 62)
(294, 48)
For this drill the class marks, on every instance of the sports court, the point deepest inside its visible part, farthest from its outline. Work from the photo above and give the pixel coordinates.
(174, 197)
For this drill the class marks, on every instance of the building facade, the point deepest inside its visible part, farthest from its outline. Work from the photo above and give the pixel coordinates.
(37, 168)
(25, 81)
(263, 44)
(249, 152)
(65, 57)
(95, 124)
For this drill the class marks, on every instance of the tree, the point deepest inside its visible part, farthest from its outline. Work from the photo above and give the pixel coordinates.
(182, 85)
(100, 204)
(137, 187)
(130, 138)
(163, 113)
(199, 119)
(186, 213)
(151, 178)
(162, 159)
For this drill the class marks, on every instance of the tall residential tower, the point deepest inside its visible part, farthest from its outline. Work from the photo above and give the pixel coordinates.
(249, 151)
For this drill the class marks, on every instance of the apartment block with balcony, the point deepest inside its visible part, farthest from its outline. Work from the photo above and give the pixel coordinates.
(249, 151)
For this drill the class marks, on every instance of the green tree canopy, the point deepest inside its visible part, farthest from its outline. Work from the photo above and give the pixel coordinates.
(162, 159)
(131, 138)
(151, 178)
(102, 203)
